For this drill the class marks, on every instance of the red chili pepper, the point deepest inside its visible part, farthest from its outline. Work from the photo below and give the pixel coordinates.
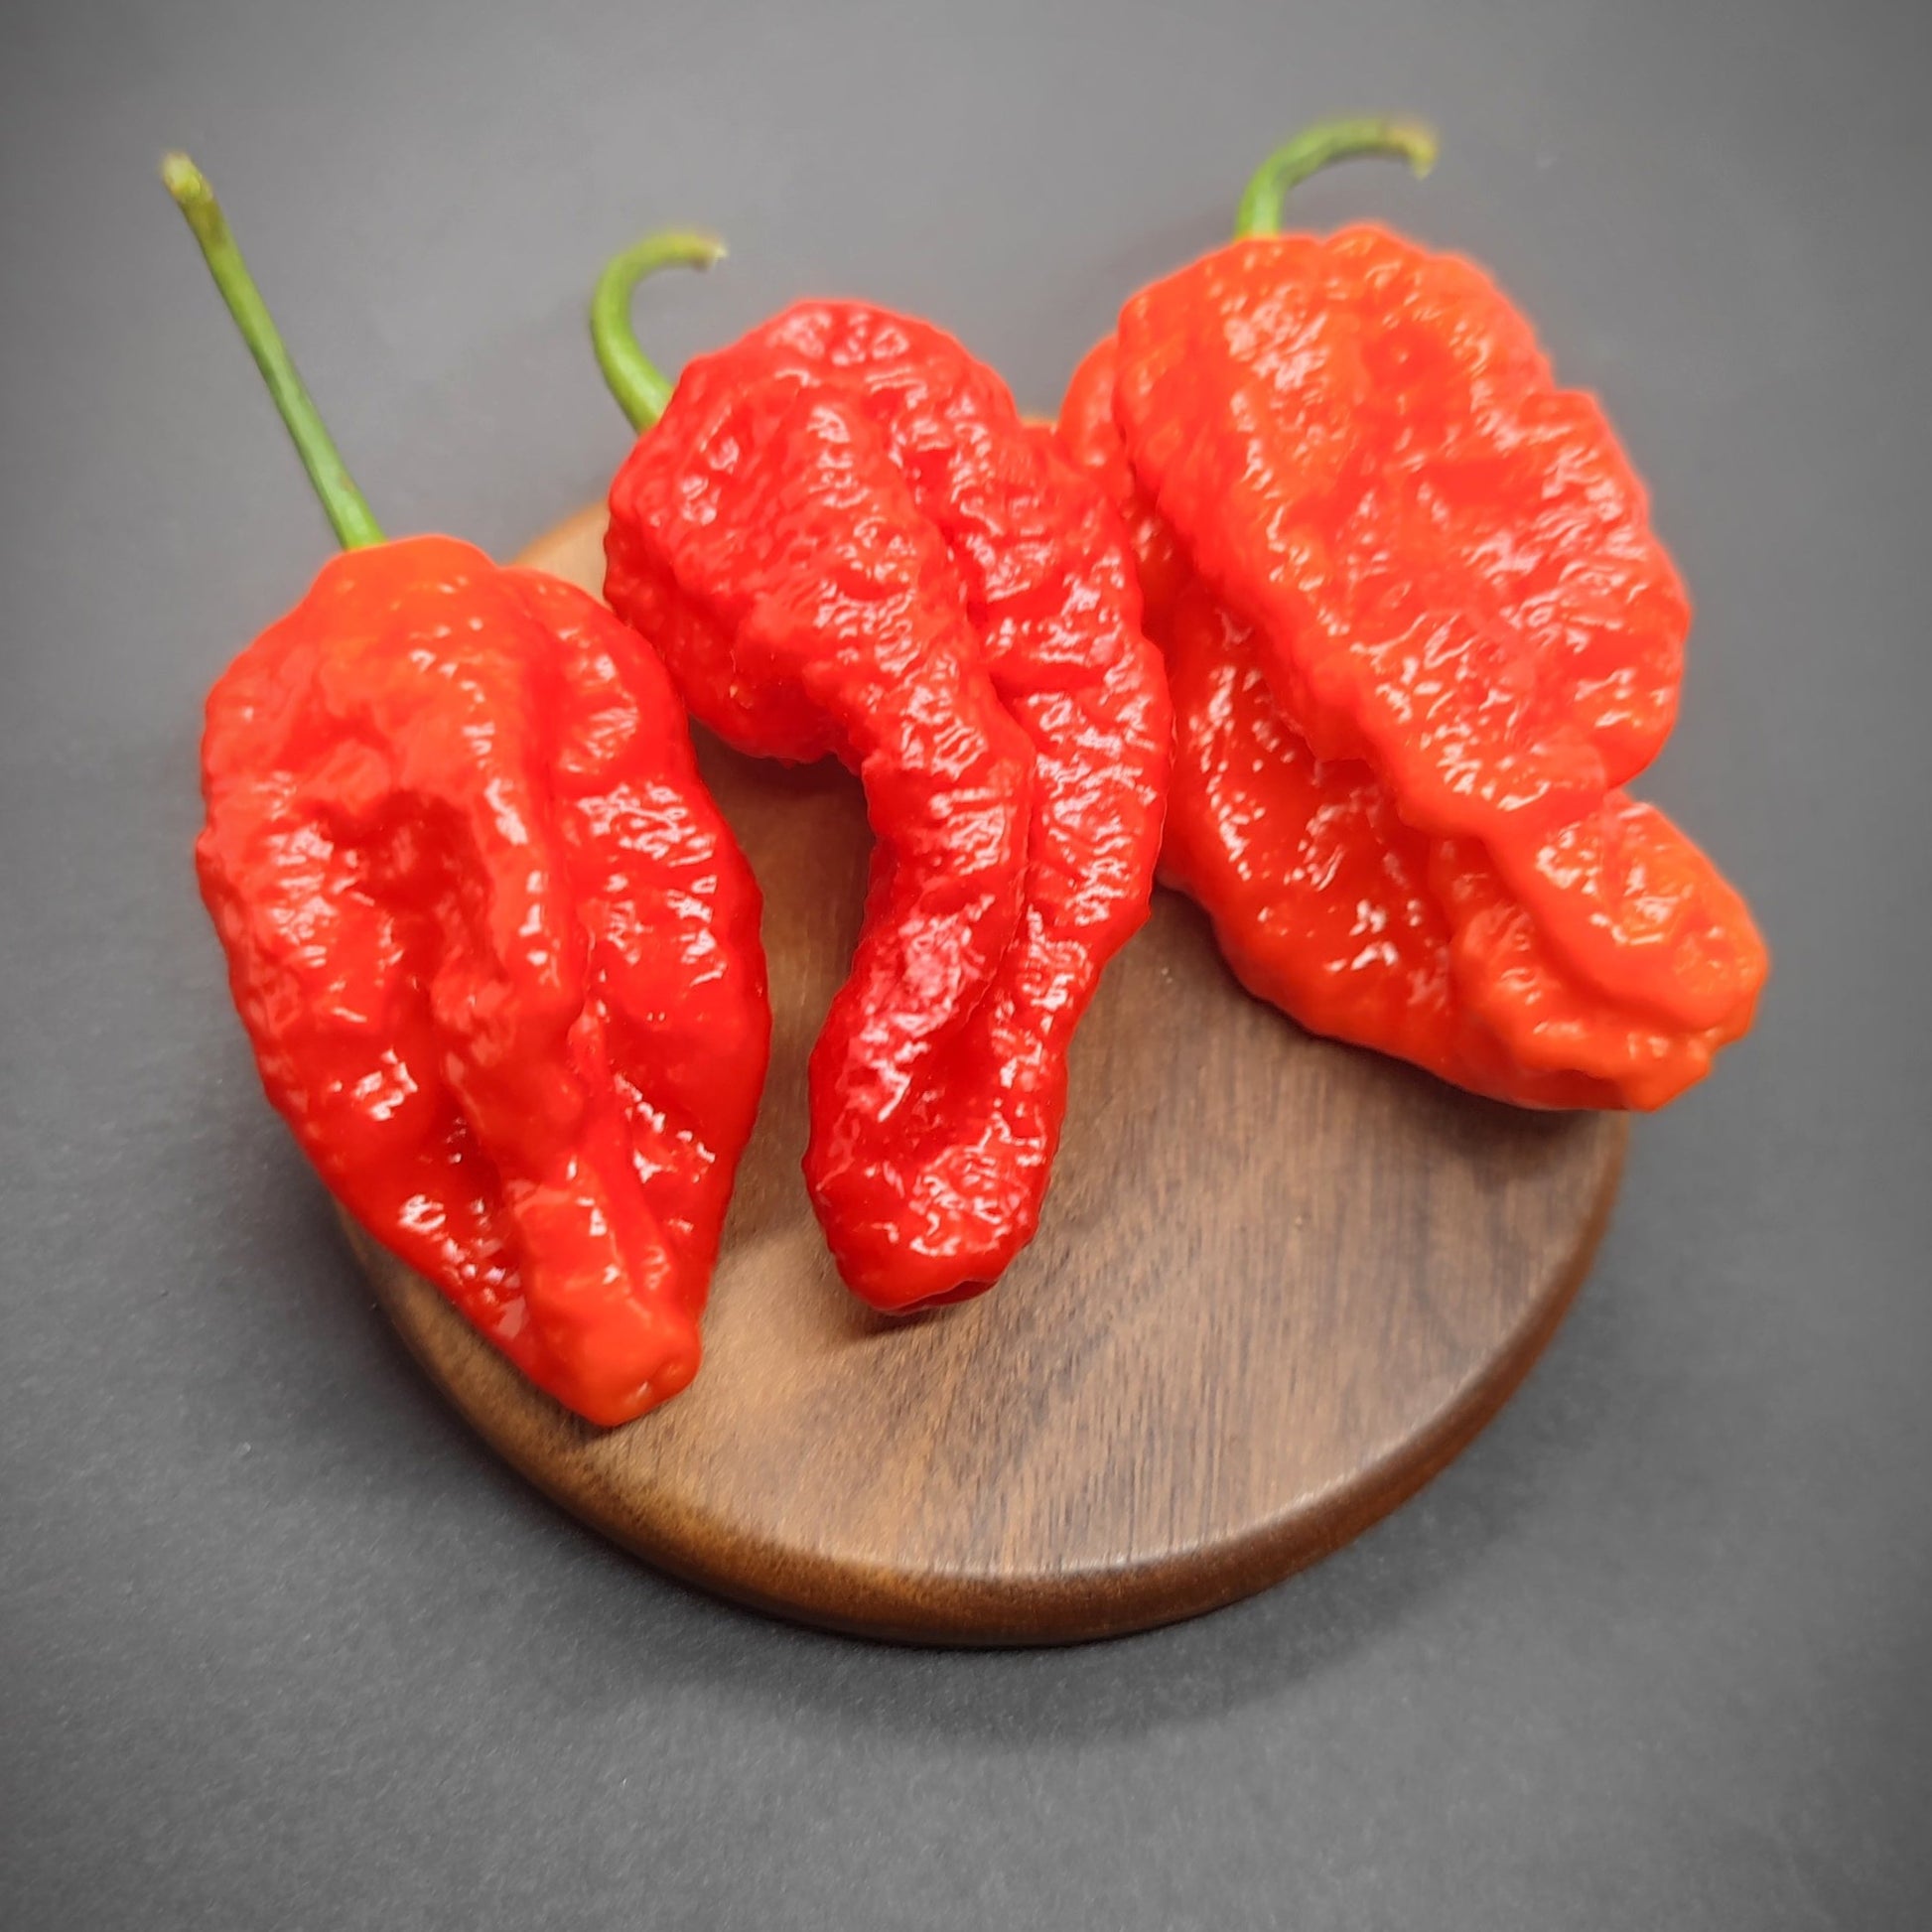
(1328, 904)
(495, 947)
(843, 539)
(1441, 566)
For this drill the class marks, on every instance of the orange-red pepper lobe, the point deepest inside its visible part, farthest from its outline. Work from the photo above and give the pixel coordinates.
(1610, 981)
(1362, 928)
(843, 539)
(1448, 557)
(496, 951)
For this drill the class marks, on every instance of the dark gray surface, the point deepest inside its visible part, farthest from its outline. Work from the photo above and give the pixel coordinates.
(283, 1648)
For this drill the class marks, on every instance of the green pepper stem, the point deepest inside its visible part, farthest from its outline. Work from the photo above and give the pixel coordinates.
(638, 385)
(348, 510)
(1314, 148)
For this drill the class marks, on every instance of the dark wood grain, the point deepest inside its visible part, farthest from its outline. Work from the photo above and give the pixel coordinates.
(1278, 1283)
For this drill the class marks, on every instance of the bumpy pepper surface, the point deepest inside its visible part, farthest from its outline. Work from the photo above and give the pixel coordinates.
(1447, 558)
(1326, 903)
(844, 540)
(495, 949)
(1440, 566)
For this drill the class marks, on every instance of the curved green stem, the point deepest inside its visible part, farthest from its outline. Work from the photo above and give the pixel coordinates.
(354, 523)
(639, 385)
(1314, 148)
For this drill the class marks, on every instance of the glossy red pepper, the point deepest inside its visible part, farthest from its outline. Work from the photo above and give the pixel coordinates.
(1328, 904)
(1441, 566)
(495, 947)
(844, 540)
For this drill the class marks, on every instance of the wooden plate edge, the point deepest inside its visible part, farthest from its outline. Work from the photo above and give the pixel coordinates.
(972, 1614)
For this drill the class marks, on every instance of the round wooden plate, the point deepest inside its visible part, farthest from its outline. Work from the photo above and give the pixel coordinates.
(1278, 1284)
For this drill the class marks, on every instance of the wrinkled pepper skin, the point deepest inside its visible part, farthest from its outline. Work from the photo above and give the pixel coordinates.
(1490, 644)
(843, 540)
(495, 950)
(1448, 555)
(1086, 430)
(1328, 904)
(1447, 558)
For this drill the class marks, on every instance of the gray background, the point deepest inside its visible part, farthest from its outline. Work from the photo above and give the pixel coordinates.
(284, 1646)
